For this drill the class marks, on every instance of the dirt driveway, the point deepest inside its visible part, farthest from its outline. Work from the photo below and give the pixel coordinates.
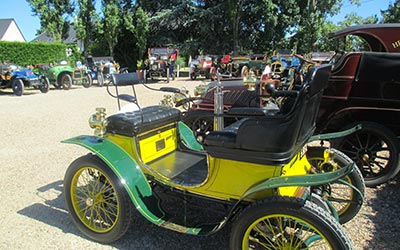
(33, 163)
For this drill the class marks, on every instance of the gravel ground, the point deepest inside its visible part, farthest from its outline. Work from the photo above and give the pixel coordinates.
(33, 163)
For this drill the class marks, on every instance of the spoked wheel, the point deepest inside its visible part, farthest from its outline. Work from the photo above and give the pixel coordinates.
(87, 82)
(245, 71)
(45, 84)
(375, 150)
(100, 79)
(17, 87)
(346, 200)
(65, 80)
(201, 127)
(213, 73)
(287, 223)
(99, 205)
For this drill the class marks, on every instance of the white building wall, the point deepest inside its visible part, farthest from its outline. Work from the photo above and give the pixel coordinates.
(13, 34)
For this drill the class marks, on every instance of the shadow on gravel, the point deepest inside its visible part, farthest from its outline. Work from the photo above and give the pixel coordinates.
(142, 234)
(386, 218)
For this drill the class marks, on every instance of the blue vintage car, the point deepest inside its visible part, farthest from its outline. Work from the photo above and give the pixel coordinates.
(19, 78)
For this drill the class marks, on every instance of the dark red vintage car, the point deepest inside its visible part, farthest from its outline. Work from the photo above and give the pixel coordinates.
(364, 88)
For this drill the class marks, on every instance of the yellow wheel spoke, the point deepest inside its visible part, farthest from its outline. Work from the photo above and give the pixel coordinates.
(94, 199)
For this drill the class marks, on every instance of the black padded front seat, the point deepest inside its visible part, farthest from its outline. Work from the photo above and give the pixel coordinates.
(273, 138)
(136, 122)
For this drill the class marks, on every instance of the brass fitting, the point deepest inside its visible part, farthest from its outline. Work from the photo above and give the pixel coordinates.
(98, 121)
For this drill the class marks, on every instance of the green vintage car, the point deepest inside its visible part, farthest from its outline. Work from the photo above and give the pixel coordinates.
(64, 75)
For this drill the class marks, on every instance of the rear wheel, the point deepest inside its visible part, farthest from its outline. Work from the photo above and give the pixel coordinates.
(341, 195)
(97, 201)
(65, 80)
(193, 76)
(17, 87)
(100, 79)
(287, 223)
(375, 149)
(213, 73)
(201, 123)
(245, 71)
(87, 82)
(45, 84)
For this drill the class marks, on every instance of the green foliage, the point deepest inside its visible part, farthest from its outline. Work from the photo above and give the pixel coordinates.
(52, 15)
(126, 28)
(392, 14)
(111, 23)
(23, 53)
(85, 22)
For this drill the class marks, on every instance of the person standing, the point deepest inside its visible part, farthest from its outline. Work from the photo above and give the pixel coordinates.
(173, 58)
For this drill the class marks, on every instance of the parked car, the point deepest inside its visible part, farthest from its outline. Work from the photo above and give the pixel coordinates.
(64, 75)
(201, 66)
(364, 88)
(158, 63)
(96, 70)
(18, 78)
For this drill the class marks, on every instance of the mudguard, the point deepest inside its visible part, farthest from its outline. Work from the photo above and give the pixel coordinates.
(134, 181)
(300, 180)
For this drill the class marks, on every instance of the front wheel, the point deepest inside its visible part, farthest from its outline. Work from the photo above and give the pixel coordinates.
(375, 149)
(65, 80)
(100, 79)
(97, 201)
(17, 87)
(87, 82)
(287, 223)
(45, 84)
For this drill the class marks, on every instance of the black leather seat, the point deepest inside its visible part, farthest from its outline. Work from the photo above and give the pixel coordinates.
(275, 137)
(136, 122)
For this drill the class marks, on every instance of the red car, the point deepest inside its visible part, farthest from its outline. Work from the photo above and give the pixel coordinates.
(364, 88)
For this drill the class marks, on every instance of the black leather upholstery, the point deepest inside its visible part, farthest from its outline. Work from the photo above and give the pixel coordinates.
(134, 123)
(125, 79)
(276, 137)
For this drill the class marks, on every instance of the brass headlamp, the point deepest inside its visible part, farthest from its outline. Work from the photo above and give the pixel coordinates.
(250, 81)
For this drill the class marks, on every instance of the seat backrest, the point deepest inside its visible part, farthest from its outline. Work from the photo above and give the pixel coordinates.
(125, 79)
(284, 132)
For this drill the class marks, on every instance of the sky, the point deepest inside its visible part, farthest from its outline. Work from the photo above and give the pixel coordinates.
(20, 10)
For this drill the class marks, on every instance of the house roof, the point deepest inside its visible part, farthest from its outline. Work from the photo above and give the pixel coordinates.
(44, 37)
(5, 24)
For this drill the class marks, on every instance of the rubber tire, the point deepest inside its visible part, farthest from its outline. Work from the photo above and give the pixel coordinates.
(393, 165)
(245, 71)
(125, 208)
(65, 81)
(86, 83)
(193, 118)
(45, 84)
(355, 177)
(100, 79)
(17, 87)
(193, 76)
(293, 207)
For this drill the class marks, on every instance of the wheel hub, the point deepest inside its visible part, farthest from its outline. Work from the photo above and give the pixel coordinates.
(89, 202)
(365, 156)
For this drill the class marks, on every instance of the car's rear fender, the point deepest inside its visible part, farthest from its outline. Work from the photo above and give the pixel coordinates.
(386, 116)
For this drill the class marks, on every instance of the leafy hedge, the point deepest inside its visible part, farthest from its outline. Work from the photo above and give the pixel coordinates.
(22, 53)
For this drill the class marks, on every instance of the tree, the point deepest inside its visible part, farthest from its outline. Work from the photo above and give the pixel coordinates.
(53, 15)
(85, 23)
(392, 14)
(111, 23)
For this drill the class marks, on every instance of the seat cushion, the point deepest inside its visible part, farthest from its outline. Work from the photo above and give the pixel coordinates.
(225, 138)
(136, 122)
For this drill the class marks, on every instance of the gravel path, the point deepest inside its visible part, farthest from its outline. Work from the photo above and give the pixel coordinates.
(33, 163)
